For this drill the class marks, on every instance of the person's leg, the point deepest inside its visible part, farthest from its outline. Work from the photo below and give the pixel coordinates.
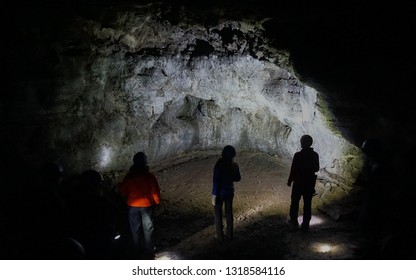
(229, 217)
(294, 206)
(307, 211)
(148, 228)
(135, 221)
(218, 217)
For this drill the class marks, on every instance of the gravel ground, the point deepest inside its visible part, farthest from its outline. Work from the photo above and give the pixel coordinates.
(185, 221)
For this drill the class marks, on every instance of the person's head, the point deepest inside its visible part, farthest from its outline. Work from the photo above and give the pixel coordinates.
(140, 159)
(372, 148)
(228, 152)
(91, 181)
(52, 173)
(306, 141)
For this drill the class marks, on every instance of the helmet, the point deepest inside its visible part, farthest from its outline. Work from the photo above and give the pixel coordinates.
(228, 152)
(306, 141)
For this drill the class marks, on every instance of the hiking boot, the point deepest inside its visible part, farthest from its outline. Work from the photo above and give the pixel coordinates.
(294, 224)
(304, 228)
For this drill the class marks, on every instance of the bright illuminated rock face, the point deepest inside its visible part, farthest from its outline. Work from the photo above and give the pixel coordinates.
(143, 84)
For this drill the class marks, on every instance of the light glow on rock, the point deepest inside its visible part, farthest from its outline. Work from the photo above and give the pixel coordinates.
(106, 153)
(181, 100)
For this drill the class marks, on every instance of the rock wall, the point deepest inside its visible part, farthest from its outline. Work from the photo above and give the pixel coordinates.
(133, 80)
(139, 82)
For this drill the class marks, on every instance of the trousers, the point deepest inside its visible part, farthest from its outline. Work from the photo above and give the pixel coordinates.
(141, 226)
(226, 203)
(298, 193)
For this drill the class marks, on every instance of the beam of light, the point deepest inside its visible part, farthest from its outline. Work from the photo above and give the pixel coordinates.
(328, 248)
(324, 248)
(105, 156)
(167, 256)
(315, 220)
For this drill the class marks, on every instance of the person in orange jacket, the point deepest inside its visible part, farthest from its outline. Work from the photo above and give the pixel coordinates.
(142, 191)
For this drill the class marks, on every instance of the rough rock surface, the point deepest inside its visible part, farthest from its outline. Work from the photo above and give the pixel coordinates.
(139, 82)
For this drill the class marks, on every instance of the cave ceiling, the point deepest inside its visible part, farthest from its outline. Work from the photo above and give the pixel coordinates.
(357, 50)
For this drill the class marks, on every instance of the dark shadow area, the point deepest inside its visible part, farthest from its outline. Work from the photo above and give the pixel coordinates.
(260, 240)
(387, 196)
(174, 225)
(57, 221)
(359, 54)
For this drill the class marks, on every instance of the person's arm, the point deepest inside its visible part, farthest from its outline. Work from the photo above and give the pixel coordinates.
(215, 180)
(155, 189)
(316, 163)
(292, 172)
(215, 186)
(236, 175)
(123, 187)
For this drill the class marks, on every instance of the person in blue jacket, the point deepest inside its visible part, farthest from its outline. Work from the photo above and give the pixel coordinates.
(226, 172)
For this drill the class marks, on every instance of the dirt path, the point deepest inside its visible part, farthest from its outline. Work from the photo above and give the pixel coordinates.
(185, 220)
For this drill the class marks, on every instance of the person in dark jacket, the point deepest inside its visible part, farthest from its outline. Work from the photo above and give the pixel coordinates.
(93, 216)
(302, 174)
(226, 172)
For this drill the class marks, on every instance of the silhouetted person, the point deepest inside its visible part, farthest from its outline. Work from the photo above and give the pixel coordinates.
(50, 203)
(226, 172)
(142, 191)
(94, 218)
(374, 186)
(302, 173)
(46, 233)
(381, 217)
(48, 226)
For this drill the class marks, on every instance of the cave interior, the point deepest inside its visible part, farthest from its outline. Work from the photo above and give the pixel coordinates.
(92, 82)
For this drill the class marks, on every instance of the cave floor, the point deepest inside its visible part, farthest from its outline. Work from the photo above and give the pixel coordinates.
(184, 221)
